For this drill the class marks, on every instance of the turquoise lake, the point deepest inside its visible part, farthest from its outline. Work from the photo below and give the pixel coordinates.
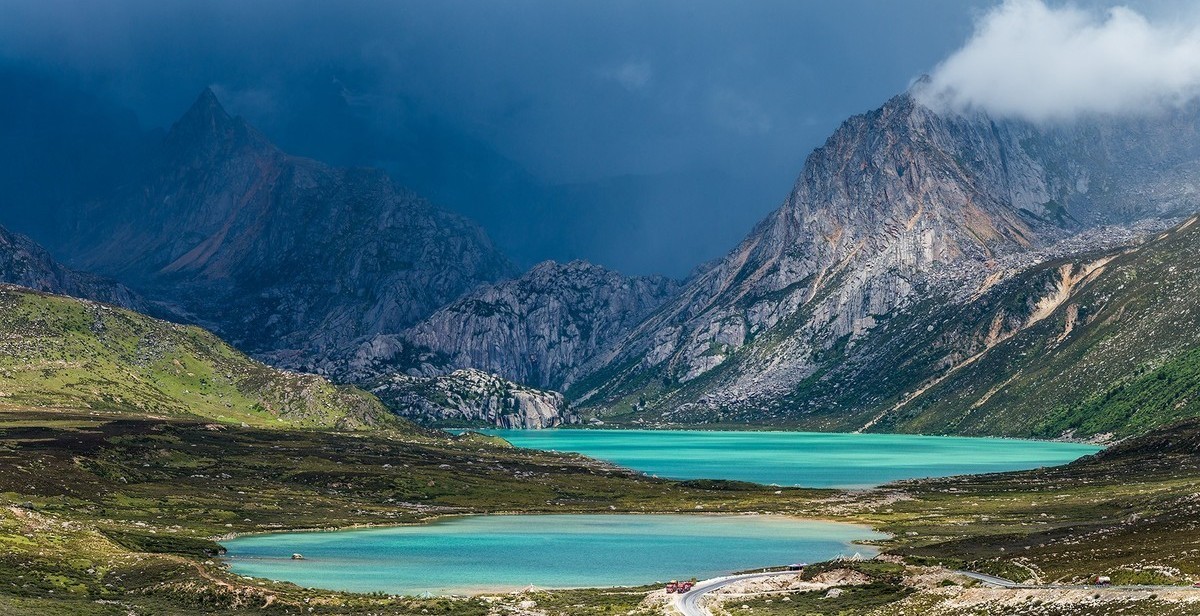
(503, 553)
(809, 459)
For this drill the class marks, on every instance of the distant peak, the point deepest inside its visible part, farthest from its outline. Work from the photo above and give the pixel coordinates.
(206, 110)
(207, 98)
(206, 125)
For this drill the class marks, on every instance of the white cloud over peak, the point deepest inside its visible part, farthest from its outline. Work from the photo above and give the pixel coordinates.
(1041, 63)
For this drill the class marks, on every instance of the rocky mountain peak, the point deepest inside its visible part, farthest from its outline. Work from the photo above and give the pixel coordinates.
(206, 113)
(580, 273)
(207, 130)
(896, 200)
(290, 259)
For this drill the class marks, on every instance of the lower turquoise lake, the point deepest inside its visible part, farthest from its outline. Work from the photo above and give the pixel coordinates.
(507, 552)
(809, 459)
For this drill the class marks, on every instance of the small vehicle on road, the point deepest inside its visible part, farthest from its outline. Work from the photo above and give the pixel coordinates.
(679, 587)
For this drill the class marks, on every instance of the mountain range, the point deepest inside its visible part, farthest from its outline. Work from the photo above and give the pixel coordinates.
(930, 271)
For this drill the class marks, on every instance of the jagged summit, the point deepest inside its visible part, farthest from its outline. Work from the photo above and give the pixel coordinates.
(573, 267)
(205, 114)
(206, 101)
(207, 129)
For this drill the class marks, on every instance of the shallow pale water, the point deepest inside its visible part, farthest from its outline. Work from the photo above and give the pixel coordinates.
(810, 459)
(494, 553)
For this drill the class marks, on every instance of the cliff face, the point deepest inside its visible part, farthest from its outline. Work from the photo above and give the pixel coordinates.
(26, 264)
(288, 258)
(539, 329)
(472, 398)
(900, 203)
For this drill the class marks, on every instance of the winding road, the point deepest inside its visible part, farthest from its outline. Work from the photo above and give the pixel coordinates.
(1003, 583)
(992, 580)
(689, 603)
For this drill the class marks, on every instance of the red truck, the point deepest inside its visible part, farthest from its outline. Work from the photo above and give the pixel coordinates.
(680, 587)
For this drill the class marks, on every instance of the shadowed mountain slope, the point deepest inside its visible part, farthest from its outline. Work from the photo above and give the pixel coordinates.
(286, 257)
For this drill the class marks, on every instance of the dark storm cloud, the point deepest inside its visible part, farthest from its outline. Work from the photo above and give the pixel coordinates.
(648, 136)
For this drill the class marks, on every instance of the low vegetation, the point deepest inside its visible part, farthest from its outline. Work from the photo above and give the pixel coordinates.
(102, 506)
(106, 513)
(1131, 512)
(858, 599)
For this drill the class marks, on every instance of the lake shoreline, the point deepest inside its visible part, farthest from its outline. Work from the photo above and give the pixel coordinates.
(448, 516)
(591, 550)
(1095, 442)
(811, 460)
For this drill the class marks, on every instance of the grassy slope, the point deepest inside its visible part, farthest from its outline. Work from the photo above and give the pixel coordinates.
(1128, 364)
(58, 352)
(1129, 509)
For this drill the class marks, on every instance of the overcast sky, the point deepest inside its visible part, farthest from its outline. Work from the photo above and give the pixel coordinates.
(676, 125)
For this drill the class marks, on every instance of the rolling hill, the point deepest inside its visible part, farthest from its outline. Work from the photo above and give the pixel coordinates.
(64, 353)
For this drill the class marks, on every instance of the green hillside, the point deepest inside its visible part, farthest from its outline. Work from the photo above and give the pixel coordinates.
(1119, 353)
(65, 353)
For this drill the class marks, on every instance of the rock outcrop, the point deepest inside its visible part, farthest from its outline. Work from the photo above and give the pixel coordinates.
(538, 329)
(472, 398)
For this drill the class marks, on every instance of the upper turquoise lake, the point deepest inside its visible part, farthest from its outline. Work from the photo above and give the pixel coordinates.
(809, 459)
(500, 553)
